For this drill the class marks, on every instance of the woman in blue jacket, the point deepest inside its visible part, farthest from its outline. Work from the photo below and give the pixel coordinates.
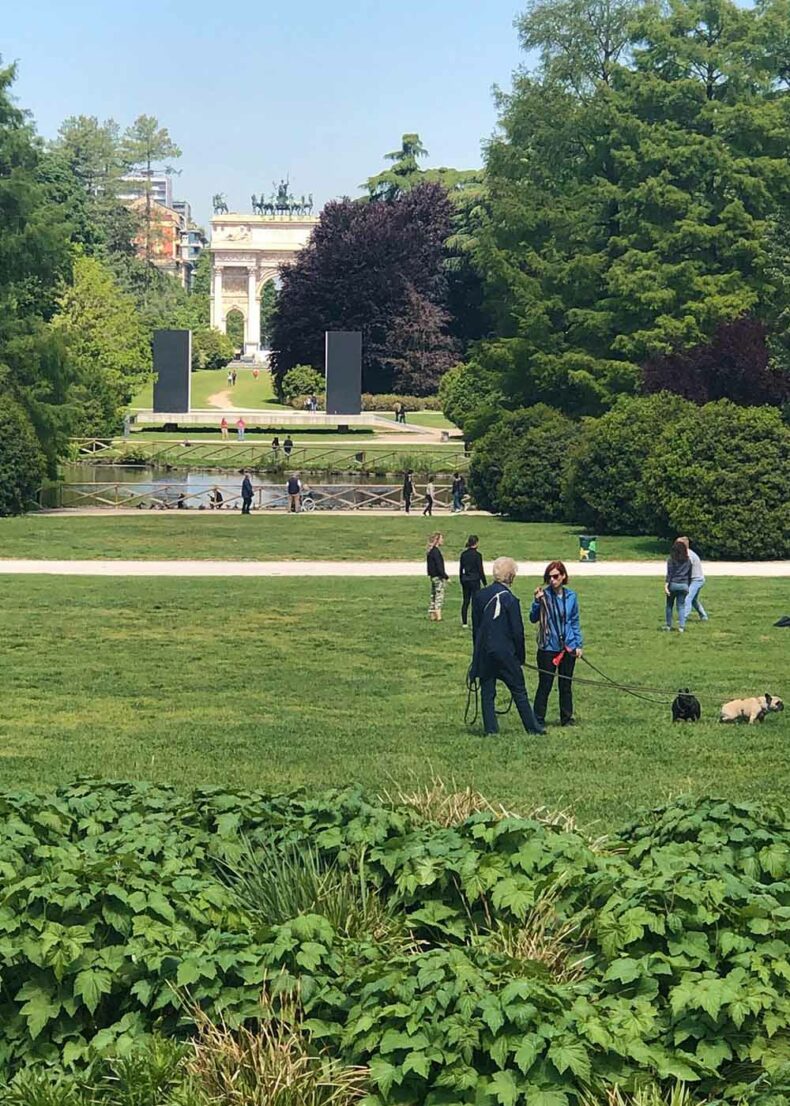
(556, 609)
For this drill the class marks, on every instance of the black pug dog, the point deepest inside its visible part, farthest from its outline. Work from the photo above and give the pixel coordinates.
(685, 707)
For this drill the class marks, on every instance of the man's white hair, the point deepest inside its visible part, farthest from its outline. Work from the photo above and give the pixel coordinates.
(504, 570)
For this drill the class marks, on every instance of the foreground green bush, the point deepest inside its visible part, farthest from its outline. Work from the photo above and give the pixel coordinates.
(497, 960)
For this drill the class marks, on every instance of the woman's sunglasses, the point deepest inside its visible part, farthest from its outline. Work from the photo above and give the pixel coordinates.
(555, 575)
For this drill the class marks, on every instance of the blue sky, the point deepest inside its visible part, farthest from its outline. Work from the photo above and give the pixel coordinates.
(253, 91)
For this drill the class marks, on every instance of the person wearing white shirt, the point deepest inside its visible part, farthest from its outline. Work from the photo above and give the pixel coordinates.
(696, 585)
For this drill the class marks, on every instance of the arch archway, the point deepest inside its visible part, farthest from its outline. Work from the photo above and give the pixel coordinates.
(234, 327)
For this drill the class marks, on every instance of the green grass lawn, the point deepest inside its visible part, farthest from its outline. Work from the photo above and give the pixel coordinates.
(227, 535)
(248, 392)
(283, 683)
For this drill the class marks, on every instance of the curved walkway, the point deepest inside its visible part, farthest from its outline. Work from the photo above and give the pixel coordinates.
(764, 569)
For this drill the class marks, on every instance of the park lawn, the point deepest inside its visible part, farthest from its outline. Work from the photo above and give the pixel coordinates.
(279, 683)
(248, 392)
(321, 536)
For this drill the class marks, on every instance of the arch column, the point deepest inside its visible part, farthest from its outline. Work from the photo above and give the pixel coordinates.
(252, 329)
(217, 319)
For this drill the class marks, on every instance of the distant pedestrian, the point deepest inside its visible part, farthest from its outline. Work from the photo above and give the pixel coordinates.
(430, 494)
(233, 378)
(276, 447)
(288, 446)
(246, 493)
(240, 426)
(471, 574)
(437, 575)
(294, 489)
(402, 413)
(230, 378)
(697, 583)
(459, 491)
(677, 584)
(313, 403)
(408, 490)
(215, 499)
(223, 426)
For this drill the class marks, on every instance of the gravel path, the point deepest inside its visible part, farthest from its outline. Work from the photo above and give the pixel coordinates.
(774, 569)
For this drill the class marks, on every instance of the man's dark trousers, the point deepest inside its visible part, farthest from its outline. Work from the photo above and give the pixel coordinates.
(546, 681)
(245, 506)
(513, 678)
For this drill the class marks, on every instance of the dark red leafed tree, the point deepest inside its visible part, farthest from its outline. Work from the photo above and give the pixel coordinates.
(374, 267)
(734, 365)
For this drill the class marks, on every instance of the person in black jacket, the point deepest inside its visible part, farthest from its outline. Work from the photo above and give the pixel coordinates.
(408, 490)
(246, 494)
(471, 573)
(498, 651)
(438, 577)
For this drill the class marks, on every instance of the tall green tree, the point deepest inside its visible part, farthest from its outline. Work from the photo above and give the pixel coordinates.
(634, 219)
(108, 343)
(147, 148)
(35, 373)
(405, 173)
(580, 42)
(83, 169)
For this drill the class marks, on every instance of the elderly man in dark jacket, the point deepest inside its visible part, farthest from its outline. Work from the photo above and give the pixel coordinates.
(498, 654)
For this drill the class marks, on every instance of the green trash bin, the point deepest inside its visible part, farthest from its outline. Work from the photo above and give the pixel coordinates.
(588, 547)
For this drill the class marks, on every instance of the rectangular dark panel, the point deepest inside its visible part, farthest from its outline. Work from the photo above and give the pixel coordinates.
(343, 372)
(173, 368)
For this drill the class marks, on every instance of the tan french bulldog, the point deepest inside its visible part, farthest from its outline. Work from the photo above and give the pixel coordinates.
(750, 710)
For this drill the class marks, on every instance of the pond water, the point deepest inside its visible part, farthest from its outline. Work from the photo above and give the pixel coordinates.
(119, 485)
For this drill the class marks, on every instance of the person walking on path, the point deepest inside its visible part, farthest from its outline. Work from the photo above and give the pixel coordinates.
(230, 378)
(223, 428)
(498, 651)
(438, 576)
(471, 573)
(276, 448)
(677, 584)
(246, 493)
(288, 446)
(233, 378)
(408, 490)
(696, 585)
(294, 489)
(556, 610)
(429, 497)
(459, 491)
(240, 425)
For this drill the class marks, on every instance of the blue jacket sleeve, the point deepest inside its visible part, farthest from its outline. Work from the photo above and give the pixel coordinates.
(534, 611)
(573, 631)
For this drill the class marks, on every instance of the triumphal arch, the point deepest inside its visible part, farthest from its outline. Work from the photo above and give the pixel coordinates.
(249, 250)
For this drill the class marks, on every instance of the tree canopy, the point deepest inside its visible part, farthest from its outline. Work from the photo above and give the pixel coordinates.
(631, 192)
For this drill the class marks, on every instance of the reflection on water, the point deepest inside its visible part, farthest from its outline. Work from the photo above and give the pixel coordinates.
(110, 485)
